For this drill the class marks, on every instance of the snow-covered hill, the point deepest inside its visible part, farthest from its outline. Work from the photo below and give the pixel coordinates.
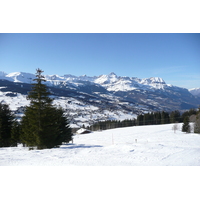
(134, 146)
(21, 77)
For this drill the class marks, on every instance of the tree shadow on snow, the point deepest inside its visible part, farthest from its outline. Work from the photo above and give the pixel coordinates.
(72, 146)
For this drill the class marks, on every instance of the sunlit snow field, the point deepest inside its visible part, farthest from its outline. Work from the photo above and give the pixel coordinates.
(156, 145)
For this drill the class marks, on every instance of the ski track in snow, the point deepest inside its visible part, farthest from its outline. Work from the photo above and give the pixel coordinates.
(132, 146)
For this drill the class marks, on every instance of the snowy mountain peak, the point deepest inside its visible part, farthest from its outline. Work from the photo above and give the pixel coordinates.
(86, 78)
(152, 80)
(112, 74)
(157, 80)
(22, 77)
(110, 82)
(53, 77)
(107, 79)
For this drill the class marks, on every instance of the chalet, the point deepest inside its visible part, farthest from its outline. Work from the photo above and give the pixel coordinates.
(83, 131)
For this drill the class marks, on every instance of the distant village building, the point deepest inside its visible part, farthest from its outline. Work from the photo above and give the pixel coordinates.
(83, 131)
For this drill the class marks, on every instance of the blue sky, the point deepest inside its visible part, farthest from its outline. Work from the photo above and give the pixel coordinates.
(173, 57)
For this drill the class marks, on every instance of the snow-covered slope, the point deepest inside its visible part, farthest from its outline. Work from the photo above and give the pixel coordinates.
(21, 77)
(134, 146)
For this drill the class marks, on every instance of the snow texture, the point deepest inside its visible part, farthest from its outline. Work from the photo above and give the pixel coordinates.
(134, 146)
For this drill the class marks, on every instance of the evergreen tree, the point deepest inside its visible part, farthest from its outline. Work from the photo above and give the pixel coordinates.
(64, 131)
(140, 120)
(153, 118)
(43, 125)
(6, 121)
(158, 117)
(197, 123)
(175, 116)
(146, 119)
(188, 113)
(15, 134)
(164, 117)
(186, 125)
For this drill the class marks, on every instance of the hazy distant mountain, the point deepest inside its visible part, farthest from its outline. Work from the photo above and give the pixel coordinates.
(195, 91)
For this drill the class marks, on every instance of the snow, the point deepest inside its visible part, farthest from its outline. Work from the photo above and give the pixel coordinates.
(79, 111)
(195, 91)
(111, 82)
(133, 146)
(14, 102)
(22, 77)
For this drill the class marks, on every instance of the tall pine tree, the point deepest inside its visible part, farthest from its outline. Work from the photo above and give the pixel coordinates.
(43, 125)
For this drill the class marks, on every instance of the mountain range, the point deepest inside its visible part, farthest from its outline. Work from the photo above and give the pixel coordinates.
(89, 99)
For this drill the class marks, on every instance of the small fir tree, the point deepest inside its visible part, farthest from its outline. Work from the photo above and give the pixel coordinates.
(186, 125)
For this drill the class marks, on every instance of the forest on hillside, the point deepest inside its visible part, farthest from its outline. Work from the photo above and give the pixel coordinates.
(153, 118)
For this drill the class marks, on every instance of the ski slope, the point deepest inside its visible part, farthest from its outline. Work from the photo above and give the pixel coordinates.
(133, 146)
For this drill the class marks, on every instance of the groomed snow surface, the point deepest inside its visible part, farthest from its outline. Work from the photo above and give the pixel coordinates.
(133, 146)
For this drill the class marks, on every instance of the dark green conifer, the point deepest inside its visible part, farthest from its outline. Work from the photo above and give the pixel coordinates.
(140, 120)
(175, 116)
(158, 117)
(64, 130)
(15, 134)
(186, 125)
(197, 122)
(6, 121)
(164, 117)
(43, 125)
